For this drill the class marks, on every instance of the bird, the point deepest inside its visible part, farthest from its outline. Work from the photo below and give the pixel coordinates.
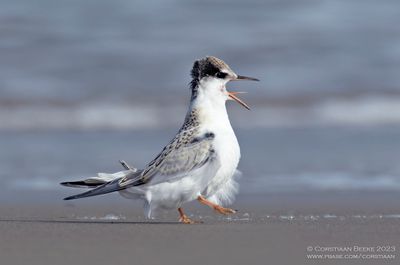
(199, 163)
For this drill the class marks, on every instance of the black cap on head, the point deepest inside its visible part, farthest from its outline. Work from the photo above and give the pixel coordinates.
(208, 66)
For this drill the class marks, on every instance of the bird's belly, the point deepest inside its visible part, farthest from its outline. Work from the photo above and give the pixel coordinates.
(172, 194)
(228, 150)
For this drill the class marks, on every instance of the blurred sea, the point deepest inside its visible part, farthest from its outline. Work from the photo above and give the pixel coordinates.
(273, 160)
(85, 83)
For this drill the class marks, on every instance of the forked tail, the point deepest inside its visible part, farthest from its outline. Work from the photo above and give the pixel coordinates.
(102, 189)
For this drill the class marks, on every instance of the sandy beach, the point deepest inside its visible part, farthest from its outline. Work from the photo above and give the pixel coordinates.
(275, 229)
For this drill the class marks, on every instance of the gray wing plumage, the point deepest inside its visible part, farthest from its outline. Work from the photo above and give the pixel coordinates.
(184, 154)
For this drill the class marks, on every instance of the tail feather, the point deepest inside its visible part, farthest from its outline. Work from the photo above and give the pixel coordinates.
(81, 184)
(103, 189)
(98, 180)
(102, 184)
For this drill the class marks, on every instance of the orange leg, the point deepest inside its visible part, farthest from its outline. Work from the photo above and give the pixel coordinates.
(184, 218)
(216, 207)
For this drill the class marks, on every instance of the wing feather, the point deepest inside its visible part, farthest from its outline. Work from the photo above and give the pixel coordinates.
(184, 154)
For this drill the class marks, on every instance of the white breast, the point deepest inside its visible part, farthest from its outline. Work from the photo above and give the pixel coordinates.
(228, 151)
(225, 144)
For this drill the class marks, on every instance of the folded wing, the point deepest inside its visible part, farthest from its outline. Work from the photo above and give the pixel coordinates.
(177, 160)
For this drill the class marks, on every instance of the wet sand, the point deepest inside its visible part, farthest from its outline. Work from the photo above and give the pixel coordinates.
(274, 229)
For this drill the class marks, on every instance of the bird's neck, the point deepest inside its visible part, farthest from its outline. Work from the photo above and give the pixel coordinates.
(209, 109)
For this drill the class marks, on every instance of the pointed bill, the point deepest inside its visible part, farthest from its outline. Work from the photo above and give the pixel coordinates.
(233, 96)
(242, 77)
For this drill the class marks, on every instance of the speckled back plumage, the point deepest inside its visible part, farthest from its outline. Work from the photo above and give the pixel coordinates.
(178, 157)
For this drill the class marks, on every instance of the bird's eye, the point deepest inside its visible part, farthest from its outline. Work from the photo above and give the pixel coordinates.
(221, 75)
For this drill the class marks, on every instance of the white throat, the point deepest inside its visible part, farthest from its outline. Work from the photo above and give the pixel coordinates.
(210, 102)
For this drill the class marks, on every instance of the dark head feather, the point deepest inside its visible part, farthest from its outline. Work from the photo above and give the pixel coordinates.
(208, 66)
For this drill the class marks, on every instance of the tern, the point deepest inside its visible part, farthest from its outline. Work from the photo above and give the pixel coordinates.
(199, 163)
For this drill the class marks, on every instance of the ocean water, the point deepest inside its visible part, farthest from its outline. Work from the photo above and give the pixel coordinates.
(85, 83)
(102, 64)
(273, 160)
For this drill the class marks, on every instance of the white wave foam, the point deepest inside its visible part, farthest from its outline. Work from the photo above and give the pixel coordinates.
(108, 217)
(323, 182)
(86, 117)
(366, 110)
(327, 217)
(338, 111)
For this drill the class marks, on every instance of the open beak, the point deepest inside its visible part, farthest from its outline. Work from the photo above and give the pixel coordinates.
(233, 96)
